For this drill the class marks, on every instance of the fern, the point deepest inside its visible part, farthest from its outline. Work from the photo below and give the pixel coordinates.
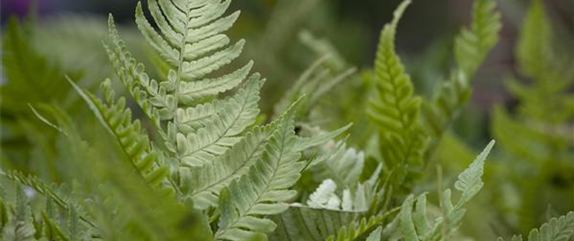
(133, 142)
(557, 229)
(263, 190)
(471, 47)
(343, 165)
(415, 226)
(395, 111)
(20, 226)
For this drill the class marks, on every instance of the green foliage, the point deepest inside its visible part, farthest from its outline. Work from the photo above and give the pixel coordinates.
(415, 226)
(557, 229)
(405, 126)
(471, 47)
(537, 138)
(395, 111)
(185, 153)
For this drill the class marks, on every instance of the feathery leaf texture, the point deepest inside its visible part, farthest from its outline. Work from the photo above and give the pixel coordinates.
(557, 229)
(133, 141)
(263, 190)
(471, 47)
(307, 223)
(414, 226)
(343, 165)
(222, 130)
(534, 50)
(394, 110)
(203, 184)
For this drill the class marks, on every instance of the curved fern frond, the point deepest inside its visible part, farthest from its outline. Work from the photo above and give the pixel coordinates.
(414, 226)
(133, 141)
(152, 96)
(263, 190)
(394, 110)
(394, 107)
(557, 229)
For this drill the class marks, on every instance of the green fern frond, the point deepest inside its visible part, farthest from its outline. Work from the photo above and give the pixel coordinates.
(344, 165)
(263, 190)
(51, 192)
(557, 229)
(414, 226)
(151, 96)
(534, 50)
(52, 231)
(222, 129)
(357, 229)
(114, 116)
(191, 38)
(471, 48)
(473, 44)
(313, 224)
(203, 184)
(394, 110)
(316, 81)
(20, 226)
(322, 47)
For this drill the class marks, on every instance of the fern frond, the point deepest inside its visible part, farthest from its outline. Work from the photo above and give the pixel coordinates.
(394, 110)
(222, 129)
(116, 118)
(50, 191)
(204, 184)
(471, 48)
(357, 229)
(191, 40)
(20, 226)
(52, 231)
(152, 96)
(414, 226)
(557, 229)
(313, 224)
(534, 49)
(316, 81)
(472, 45)
(263, 190)
(344, 165)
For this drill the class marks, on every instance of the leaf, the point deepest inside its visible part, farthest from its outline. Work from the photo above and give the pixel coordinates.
(263, 190)
(375, 235)
(557, 229)
(395, 111)
(414, 226)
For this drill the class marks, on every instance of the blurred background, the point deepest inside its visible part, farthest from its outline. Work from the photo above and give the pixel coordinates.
(424, 40)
